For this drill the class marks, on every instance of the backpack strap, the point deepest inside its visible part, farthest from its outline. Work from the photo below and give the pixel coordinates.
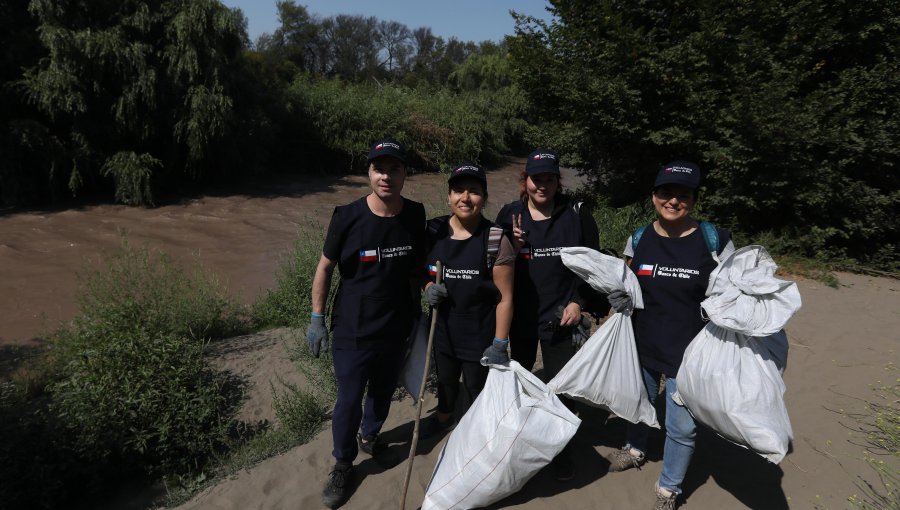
(636, 237)
(495, 234)
(711, 236)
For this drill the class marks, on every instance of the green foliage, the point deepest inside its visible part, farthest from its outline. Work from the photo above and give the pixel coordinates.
(785, 105)
(121, 78)
(289, 303)
(141, 399)
(300, 411)
(142, 290)
(880, 427)
(441, 128)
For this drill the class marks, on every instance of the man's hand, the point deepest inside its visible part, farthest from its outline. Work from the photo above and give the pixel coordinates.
(317, 335)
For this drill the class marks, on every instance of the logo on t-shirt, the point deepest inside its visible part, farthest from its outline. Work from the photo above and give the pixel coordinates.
(659, 270)
(460, 274)
(525, 253)
(546, 252)
(368, 255)
(432, 270)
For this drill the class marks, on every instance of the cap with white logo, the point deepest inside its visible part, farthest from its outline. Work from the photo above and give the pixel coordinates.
(470, 171)
(387, 147)
(542, 161)
(680, 172)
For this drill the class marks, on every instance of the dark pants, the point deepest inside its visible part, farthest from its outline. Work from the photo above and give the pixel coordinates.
(449, 368)
(355, 370)
(556, 349)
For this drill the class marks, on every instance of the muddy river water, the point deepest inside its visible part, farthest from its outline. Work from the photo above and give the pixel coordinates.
(240, 237)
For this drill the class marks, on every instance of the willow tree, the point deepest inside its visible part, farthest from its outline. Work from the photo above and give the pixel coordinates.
(139, 91)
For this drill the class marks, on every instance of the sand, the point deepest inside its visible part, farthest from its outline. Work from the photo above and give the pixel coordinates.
(842, 342)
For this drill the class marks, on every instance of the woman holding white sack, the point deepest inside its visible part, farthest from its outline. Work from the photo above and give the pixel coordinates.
(672, 258)
(474, 303)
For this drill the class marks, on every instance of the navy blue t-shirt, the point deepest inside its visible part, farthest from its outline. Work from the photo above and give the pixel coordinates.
(673, 273)
(376, 257)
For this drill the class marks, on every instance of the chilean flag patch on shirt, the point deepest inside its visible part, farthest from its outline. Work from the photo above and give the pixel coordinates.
(645, 270)
(432, 270)
(368, 255)
(525, 253)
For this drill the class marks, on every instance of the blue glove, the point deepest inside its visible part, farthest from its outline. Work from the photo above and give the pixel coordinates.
(496, 353)
(435, 294)
(620, 301)
(317, 335)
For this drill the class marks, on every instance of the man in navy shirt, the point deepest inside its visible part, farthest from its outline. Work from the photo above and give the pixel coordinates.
(377, 243)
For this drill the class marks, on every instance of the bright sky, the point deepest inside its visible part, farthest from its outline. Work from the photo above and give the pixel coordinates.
(467, 20)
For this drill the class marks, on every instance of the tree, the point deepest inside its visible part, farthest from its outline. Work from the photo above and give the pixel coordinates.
(785, 105)
(138, 92)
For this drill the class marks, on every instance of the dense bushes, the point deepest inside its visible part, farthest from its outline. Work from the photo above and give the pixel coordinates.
(787, 107)
(128, 391)
(442, 128)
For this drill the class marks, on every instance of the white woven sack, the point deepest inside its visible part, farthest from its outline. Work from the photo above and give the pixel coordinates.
(732, 383)
(514, 428)
(602, 272)
(745, 296)
(414, 365)
(731, 375)
(606, 373)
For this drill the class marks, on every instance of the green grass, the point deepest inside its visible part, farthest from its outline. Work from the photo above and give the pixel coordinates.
(878, 425)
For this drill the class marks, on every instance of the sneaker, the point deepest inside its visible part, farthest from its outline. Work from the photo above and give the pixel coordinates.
(563, 468)
(337, 488)
(370, 445)
(664, 502)
(620, 460)
(379, 451)
(435, 427)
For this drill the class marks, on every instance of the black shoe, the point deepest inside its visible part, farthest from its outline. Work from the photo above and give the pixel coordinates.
(379, 451)
(436, 428)
(337, 488)
(371, 445)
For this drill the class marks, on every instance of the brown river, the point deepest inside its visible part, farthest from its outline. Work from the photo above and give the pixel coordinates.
(239, 236)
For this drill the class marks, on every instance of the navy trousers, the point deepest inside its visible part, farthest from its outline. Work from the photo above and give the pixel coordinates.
(355, 370)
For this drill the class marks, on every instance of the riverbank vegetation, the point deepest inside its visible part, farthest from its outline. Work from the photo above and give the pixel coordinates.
(790, 109)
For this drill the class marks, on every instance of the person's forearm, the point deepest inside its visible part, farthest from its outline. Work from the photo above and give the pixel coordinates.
(321, 285)
(504, 319)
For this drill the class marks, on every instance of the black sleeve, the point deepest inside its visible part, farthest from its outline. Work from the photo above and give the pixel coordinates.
(334, 236)
(504, 218)
(590, 235)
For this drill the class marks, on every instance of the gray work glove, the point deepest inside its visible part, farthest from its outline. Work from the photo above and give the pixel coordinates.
(435, 294)
(496, 353)
(581, 332)
(317, 336)
(620, 301)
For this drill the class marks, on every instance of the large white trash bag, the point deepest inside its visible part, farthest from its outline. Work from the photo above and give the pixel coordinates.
(731, 375)
(606, 372)
(514, 428)
(602, 272)
(414, 365)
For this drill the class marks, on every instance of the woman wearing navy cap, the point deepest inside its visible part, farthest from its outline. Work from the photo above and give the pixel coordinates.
(673, 258)
(474, 302)
(548, 297)
(377, 242)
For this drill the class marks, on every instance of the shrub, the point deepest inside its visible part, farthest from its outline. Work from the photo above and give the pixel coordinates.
(289, 303)
(139, 289)
(441, 128)
(148, 401)
(300, 411)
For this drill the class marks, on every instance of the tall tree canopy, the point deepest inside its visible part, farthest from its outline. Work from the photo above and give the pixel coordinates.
(138, 91)
(789, 107)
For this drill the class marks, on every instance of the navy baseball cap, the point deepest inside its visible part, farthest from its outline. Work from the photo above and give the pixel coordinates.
(680, 172)
(471, 171)
(542, 161)
(387, 147)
